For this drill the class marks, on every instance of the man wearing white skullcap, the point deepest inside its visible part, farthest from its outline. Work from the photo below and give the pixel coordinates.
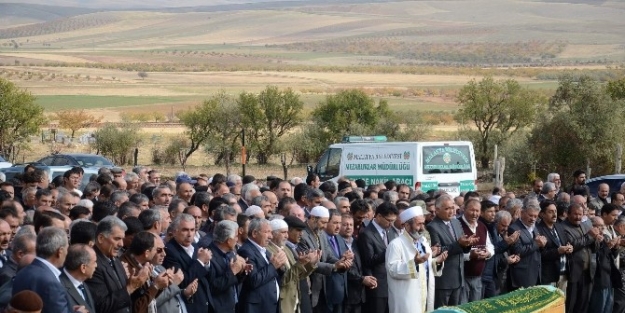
(311, 240)
(255, 211)
(410, 266)
(296, 268)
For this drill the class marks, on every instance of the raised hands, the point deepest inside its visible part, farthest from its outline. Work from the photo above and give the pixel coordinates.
(161, 281)
(176, 276)
(566, 249)
(512, 259)
(191, 289)
(237, 264)
(204, 255)
(512, 238)
(436, 250)
(421, 258)
(138, 278)
(442, 257)
(467, 241)
(541, 240)
(278, 259)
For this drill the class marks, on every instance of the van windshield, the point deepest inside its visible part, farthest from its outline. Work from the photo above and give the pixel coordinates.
(446, 159)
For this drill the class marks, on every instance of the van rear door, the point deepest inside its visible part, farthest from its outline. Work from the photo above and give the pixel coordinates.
(448, 167)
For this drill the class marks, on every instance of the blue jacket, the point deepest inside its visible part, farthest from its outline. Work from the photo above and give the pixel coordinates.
(259, 293)
(177, 258)
(39, 278)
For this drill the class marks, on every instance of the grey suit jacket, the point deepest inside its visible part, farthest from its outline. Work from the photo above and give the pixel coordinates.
(325, 265)
(73, 295)
(166, 301)
(453, 272)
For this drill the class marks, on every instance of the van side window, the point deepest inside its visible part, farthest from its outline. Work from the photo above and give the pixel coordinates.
(334, 162)
(322, 164)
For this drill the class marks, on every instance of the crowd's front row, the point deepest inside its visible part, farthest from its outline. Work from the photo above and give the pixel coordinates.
(402, 260)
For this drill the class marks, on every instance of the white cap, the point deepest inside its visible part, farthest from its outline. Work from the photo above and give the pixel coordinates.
(252, 210)
(320, 211)
(277, 224)
(410, 213)
(494, 199)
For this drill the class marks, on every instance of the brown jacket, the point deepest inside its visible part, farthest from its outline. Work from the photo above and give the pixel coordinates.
(142, 297)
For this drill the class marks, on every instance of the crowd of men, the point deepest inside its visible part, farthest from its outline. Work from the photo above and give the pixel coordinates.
(132, 243)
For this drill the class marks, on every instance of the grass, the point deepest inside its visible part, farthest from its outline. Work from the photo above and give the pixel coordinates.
(64, 102)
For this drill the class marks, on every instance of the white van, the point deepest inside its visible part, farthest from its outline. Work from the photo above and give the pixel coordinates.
(445, 165)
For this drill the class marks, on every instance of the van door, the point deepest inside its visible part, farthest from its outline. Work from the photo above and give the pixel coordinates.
(448, 167)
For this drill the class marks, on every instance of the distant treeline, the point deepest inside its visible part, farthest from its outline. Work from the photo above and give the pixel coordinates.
(456, 52)
(545, 73)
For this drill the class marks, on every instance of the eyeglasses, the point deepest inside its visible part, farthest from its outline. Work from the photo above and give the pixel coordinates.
(392, 220)
(160, 250)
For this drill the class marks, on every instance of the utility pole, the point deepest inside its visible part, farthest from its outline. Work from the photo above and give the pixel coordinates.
(243, 152)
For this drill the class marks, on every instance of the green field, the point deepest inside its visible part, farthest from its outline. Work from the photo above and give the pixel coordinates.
(63, 102)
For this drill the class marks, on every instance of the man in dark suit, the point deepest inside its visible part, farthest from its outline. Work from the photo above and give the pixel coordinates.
(583, 239)
(23, 245)
(225, 266)
(260, 291)
(356, 282)
(372, 243)
(526, 273)
(446, 232)
(335, 287)
(5, 240)
(42, 275)
(553, 256)
(80, 265)
(110, 287)
(503, 257)
(182, 253)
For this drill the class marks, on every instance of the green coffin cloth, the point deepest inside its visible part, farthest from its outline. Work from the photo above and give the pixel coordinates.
(539, 299)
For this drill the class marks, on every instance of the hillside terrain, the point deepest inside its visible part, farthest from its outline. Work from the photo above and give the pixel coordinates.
(416, 54)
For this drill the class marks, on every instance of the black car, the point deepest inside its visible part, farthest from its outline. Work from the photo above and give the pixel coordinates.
(76, 159)
(614, 181)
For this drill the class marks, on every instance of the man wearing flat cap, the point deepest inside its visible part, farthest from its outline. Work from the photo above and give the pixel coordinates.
(411, 267)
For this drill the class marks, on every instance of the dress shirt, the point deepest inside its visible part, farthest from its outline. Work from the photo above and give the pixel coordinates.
(189, 250)
(380, 229)
(52, 268)
(349, 241)
(75, 282)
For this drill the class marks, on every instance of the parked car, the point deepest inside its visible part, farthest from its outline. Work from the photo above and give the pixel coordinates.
(614, 181)
(76, 159)
(4, 163)
(53, 171)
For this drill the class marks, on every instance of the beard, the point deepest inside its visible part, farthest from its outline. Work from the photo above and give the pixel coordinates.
(416, 235)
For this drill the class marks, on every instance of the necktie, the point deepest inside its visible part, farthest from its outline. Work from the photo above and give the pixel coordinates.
(451, 230)
(559, 244)
(335, 246)
(83, 292)
(112, 263)
(385, 237)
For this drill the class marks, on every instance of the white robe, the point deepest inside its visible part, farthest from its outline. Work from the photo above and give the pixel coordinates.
(407, 288)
